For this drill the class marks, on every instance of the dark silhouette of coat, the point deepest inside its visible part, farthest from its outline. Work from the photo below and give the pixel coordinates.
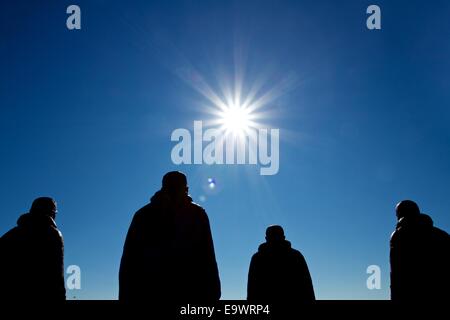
(169, 254)
(279, 273)
(420, 260)
(32, 261)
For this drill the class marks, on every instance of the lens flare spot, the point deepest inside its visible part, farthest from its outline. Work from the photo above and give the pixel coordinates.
(211, 183)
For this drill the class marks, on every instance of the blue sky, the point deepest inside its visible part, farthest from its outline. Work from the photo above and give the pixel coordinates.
(86, 117)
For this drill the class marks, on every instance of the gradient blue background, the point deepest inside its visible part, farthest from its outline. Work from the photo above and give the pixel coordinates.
(86, 117)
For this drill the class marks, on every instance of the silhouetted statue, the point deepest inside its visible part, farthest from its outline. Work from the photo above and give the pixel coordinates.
(419, 256)
(279, 273)
(169, 252)
(32, 256)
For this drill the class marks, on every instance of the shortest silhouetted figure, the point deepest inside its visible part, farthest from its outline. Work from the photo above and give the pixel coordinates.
(32, 256)
(279, 273)
(419, 257)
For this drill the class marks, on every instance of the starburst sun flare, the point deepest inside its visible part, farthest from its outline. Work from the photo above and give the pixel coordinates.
(235, 119)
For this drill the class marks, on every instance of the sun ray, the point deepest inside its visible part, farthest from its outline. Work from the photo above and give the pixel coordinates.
(236, 107)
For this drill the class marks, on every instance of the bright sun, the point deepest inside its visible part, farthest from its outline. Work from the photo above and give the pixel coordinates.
(235, 119)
